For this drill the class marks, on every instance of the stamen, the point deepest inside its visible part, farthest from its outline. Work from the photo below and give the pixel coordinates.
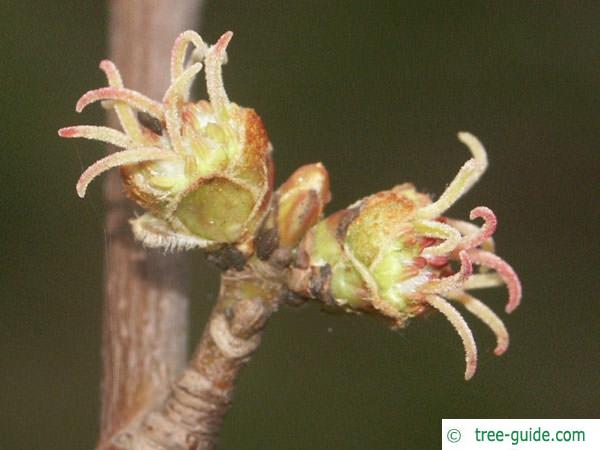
(125, 114)
(505, 271)
(214, 76)
(468, 228)
(431, 228)
(363, 271)
(482, 281)
(112, 73)
(461, 328)
(487, 316)
(176, 92)
(124, 157)
(467, 176)
(476, 147)
(127, 96)
(180, 49)
(485, 232)
(102, 134)
(180, 87)
(453, 282)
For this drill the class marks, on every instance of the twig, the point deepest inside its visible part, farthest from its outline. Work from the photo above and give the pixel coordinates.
(146, 298)
(191, 417)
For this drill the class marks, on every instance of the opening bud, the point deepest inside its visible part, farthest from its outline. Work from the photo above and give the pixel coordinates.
(202, 170)
(394, 254)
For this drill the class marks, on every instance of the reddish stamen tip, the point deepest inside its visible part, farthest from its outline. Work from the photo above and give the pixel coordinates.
(437, 261)
(224, 41)
(500, 350)
(106, 64)
(67, 132)
(429, 241)
(485, 232)
(419, 262)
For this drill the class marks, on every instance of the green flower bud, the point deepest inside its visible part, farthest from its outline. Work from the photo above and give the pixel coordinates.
(394, 254)
(372, 249)
(203, 170)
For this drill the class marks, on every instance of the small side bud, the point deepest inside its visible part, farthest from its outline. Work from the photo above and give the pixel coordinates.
(301, 200)
(297, 206)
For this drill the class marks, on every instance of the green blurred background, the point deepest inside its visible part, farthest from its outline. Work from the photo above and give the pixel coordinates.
(377, 91)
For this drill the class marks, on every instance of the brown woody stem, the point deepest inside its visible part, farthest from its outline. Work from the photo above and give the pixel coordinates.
(191, 416)
(146, 295)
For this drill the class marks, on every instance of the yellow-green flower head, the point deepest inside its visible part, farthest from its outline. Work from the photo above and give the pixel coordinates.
(395, 254)
(202, 170)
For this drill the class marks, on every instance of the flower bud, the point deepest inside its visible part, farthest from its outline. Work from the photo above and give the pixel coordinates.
(372, 249)
(202, 170)
(300, 203)
(393, 253)
(296, 207)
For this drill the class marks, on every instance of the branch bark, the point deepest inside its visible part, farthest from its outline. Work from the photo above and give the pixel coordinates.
(192, 415)
(146, 292)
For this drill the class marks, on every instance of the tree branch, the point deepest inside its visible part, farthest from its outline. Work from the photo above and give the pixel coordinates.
(146, 292)
(191, 416)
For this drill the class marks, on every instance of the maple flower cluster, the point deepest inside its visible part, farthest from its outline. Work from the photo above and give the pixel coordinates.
(394, 253)
(204, 174)
(202, 170)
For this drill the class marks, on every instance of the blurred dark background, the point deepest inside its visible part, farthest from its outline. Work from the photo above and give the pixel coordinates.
(377, 91)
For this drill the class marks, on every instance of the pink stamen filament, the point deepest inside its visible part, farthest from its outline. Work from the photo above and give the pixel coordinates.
(131, 98)
(461, 327)
(103, 134)
(505, 271)
(176, 93)
(468, 228)
(180, 48)
(126, 116)
(487, 316)
(214, 77)
(485, 232)
(124, 157)
(453, 282)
